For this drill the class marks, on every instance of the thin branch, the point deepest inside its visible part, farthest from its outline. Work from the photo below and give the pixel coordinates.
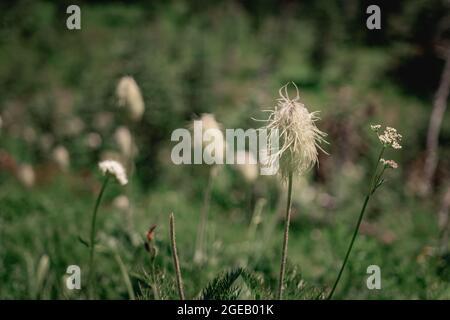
(437, 114)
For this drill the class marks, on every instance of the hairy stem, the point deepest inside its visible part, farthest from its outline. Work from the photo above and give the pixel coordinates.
(285, 238)
(176, 261)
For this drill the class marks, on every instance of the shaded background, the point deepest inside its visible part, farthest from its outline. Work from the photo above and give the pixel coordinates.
(57, 90)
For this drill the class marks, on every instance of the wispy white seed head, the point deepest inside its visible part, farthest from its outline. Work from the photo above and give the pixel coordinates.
(213, 143)
(389, 163)
(121, 202)
(114, 169)
(26, 175)
(299, 137)
(247, 165)
(61, 157)
(389, 138)
(93, 140)
(129, 96)
(124, 140)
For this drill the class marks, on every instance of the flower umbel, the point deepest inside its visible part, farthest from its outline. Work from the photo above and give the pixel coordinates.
(389, 163)
(299, 137)
(389, 138)
(114, 169)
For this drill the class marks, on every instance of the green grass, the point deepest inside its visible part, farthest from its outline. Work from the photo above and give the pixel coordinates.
(48, 220)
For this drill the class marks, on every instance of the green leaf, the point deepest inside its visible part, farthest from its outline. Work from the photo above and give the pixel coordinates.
(221, 287)
(86, 243)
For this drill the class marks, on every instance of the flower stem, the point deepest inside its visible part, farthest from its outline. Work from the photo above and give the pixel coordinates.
(199, 254)
(125, 276)
(285, 239)
(92, 237)
(355, 232)
(372, 186)
(176, 262)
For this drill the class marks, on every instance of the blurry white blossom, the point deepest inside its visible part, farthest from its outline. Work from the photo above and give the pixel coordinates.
(114, 169)
(61, 157)
(129, 96)
(26, 175)
(247, 165)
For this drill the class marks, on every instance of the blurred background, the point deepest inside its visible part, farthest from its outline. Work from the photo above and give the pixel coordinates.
(60, 115)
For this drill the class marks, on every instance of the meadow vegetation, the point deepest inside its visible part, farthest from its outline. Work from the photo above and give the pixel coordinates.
(60, 116)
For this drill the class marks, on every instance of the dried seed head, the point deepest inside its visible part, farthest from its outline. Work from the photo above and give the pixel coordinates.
(114, 169)
(299, 137)
(129, 96)
(375, 128)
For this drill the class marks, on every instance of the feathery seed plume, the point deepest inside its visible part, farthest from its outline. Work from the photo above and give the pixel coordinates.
(299, 137)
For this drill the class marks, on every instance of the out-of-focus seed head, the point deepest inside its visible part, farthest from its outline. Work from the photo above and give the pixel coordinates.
(129, 96)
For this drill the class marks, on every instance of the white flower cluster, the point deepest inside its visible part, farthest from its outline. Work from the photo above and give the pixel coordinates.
(390, 136)
(115, 169)
(389, 163)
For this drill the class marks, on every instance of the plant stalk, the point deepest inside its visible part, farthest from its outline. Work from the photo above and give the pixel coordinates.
(285, 238)
(371, 190)
(92, 237)
(200, 243)
(176, 261)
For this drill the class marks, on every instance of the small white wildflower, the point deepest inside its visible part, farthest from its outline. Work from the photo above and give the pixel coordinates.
(299, 136)
(390, 137)
(115, 169)
(375, 127)
(389, 163)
